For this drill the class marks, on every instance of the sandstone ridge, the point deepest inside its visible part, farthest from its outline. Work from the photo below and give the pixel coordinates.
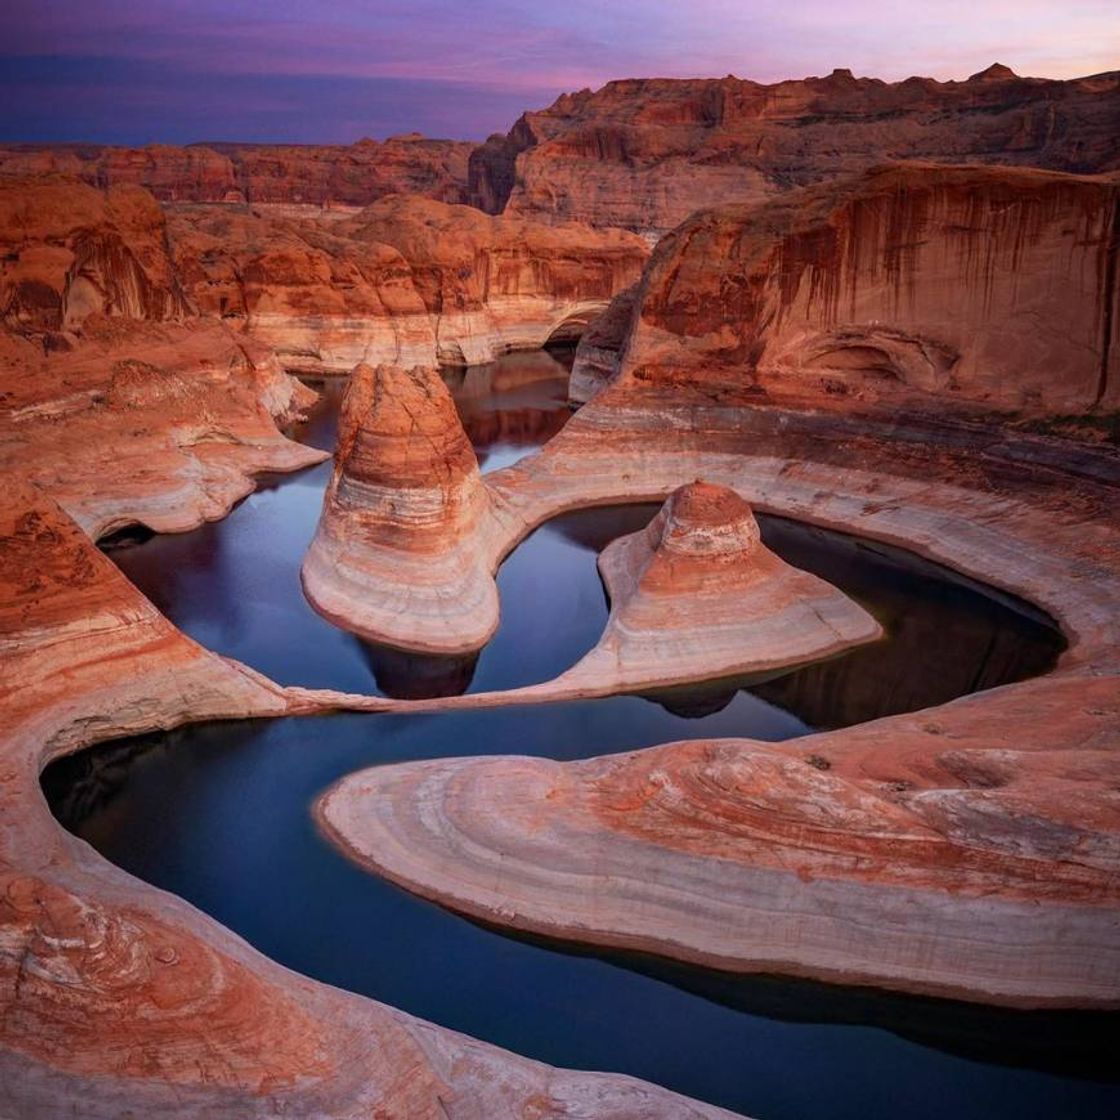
(645, 153)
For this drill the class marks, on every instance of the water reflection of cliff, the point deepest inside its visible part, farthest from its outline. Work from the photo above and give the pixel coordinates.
(417, 676)
(945, 637)
(519, 401)
(1067, 1043)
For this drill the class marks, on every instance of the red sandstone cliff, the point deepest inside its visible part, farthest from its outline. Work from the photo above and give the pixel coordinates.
(68, 251)
(644, 154)
(912, 283)
(407, 280)
(500, 283)
(305, 175)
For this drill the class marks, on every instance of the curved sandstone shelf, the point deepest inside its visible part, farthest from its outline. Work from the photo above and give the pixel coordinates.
(970, 851)
(129, 1000)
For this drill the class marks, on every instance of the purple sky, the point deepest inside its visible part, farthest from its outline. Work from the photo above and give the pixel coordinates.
(136, 71)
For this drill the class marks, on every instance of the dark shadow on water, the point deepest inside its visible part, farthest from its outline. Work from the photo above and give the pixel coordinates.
(416, 676)
(1078, 1044)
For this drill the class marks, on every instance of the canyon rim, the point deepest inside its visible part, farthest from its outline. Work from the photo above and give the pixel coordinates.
(615, 614)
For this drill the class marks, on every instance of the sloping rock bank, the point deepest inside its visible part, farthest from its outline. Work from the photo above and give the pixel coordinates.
(128, 1000)
(695, 597)
(643, 154)
(164, 424)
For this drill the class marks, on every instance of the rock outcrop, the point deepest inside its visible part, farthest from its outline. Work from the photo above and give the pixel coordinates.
(68, 251)
(405, 281)
(644, 154)
(920, 285)
(599, 352)
(697, 596)
(322, 301)
(295, 177)
(401, 554)
(163, 424)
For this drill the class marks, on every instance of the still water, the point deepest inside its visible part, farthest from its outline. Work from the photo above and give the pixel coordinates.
(218, 813)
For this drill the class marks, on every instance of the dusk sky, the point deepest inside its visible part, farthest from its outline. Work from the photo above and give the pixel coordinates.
(137, 71)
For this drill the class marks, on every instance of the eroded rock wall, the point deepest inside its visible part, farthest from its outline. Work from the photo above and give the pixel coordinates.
(933, 286)
(310, 176)
(645, 153)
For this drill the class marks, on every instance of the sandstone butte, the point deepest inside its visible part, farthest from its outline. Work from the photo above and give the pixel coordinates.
(969, 851)
(400, 554)
(644, 154)
(287, 177)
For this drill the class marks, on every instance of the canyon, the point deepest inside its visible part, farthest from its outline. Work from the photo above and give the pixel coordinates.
(851, 318)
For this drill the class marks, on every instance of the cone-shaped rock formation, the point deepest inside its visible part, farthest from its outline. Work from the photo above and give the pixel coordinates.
(397, 557)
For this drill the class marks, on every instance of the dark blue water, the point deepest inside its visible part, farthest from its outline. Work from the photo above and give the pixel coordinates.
(219, 813)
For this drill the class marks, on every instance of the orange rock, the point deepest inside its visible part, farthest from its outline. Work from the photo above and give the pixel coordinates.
(645, 153)
(70, 251)
(930, 286)
(401, 552)
(305, 177)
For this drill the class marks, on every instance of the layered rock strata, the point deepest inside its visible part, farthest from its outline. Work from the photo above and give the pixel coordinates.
(401, 554)
(599, 352)
(129, 1000)
(294, 177)
(406, 280)
(916, 286)
(497, 284)
(644, 154)
(159, 423)
(697, 596)
(70, 251)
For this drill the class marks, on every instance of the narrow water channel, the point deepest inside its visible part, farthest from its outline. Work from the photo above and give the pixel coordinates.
(218, 813)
